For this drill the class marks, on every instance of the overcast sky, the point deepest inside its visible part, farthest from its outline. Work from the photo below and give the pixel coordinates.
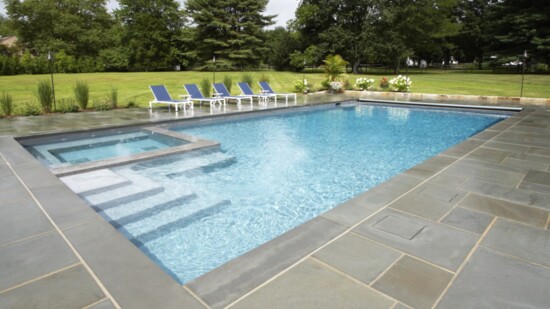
(285, 9)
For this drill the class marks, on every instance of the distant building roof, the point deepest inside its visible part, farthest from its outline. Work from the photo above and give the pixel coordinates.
(8, 41)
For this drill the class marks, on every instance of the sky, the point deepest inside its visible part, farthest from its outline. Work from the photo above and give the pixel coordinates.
(285, 10)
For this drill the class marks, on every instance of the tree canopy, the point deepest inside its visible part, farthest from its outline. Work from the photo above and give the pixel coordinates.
(142, 35)
(230, 30)
(75, 27)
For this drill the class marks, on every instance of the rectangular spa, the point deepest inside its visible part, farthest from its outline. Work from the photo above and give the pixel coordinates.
(89, 147)
(193, 212)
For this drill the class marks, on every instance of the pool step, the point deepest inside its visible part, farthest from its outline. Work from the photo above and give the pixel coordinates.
(138, 188)
(95, 181)
(157, 220)
(151, 211)
(172, 160)
(188, 165)
(212, 166)
(180, 223)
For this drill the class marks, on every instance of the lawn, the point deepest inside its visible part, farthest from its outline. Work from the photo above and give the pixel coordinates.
(133, 87)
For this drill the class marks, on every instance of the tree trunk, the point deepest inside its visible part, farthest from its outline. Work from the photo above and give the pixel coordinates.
(356, 67)
(397, 66)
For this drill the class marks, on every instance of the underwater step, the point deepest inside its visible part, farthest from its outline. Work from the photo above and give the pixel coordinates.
(212, 166)
(173, 160)
(181, 223)
(152, 211)
(139, 188)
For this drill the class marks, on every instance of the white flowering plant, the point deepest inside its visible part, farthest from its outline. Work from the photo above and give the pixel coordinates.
(301, 86)
(336, 86)
(364, 83)
(400, 83)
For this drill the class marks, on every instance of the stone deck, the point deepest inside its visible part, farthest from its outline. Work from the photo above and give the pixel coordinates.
(466, 228)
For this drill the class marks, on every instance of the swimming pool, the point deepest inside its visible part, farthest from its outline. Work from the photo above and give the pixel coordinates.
(193, 212)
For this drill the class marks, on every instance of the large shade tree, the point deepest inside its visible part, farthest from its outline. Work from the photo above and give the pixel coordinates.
(472, 39)
(151, 29)
(519, 25)
(339, 26)
(76, 27)
(230, 30)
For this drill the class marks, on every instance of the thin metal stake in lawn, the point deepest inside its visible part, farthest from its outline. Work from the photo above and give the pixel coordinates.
(50, 60)
(214, 73)
(523, 71)
(304, 79)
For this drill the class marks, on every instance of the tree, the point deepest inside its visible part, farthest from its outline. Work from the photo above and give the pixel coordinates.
(4, 27)
(76, 27)
(339, 26)
(230, 30)
(417, 28)
(519, 25)
(472, 39)
(150, 30)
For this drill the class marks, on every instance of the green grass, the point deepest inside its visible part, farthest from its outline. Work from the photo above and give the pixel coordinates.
(133, 87)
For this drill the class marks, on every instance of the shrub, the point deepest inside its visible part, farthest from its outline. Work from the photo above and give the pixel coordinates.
(113, 97)
(247, 78)
(336, 86)
(384, 83)
(82, 94)
(325, 84)
(131, 104)
(30, 109)
(400, 83)
(45, 95)
(335, 66)
(206, 88)
(68, 106)
(228, 81)
(301, 86)
(102, 105)
(364, 83)
(6, 101)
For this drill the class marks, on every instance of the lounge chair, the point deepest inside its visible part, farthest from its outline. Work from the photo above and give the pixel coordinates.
(196, 95)
(222, 92)
(267, 90)
(246, 90)
(163, 97)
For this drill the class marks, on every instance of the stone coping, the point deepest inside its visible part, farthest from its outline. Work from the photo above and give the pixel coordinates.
(455, 98)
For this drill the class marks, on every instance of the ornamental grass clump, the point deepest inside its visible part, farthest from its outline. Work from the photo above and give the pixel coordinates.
(400, 83)
(113, 97)
(206, 87)
(82, 94)
(364, 83)
(6, 102)
(45, 95)
(228, 81)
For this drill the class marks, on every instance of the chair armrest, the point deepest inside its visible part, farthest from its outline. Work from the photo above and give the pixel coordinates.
(264, 91)
(216, 95)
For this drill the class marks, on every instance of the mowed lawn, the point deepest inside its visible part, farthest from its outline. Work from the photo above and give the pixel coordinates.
(133, 87)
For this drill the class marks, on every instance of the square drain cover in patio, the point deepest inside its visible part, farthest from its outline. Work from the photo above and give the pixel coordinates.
(399, 227)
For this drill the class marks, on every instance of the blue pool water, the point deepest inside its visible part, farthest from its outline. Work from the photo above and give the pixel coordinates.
(197, 211)
(93, 148)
